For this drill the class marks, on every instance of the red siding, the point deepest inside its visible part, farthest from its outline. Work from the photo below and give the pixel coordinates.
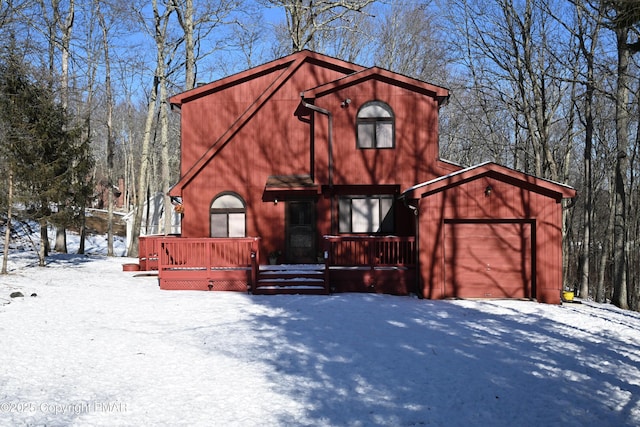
(274, 141)
(416, 137)
(204, 120)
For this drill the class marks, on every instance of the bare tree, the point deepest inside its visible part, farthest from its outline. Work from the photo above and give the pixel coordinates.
(186, 19)
(584, 27)
(408, 43)
(65, 26)
(199, 22)
(620, 294)
(587, 32)
(506, 47)
(7, 230)
(307, 20)
(165, 169)
(247, 38)
(160, 34)
(109, 125)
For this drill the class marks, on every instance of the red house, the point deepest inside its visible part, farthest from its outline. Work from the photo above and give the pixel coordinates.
(334, 168)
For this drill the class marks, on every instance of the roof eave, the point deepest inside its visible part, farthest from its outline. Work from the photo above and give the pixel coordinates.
(552, 189)
(284, 62)
(441, 94)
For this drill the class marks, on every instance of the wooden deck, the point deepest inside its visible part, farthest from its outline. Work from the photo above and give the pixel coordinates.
(371, 264)
(212, 264)
(352, 264)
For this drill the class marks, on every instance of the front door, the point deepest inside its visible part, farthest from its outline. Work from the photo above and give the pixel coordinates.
(301, 231)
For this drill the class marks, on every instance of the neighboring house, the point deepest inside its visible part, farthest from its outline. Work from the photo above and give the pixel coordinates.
(101, 198)
(318, 156)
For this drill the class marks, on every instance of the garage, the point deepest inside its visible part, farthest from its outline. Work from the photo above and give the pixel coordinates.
(487, 260)
(489, 231)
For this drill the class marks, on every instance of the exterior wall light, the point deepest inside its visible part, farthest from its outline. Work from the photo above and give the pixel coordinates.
(487, 191)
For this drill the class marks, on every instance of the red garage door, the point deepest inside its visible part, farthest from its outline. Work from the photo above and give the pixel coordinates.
(487, 260)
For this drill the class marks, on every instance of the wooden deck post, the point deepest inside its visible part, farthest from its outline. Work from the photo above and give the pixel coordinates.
(326, 254)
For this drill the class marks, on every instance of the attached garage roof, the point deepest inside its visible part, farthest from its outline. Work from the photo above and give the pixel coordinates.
(552, 189)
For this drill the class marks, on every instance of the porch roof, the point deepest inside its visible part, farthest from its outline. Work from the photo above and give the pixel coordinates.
(289, 186)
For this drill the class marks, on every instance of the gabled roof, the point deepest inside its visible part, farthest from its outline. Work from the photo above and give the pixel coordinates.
(288, 66)
(283, 69)
(269, 67)
(380, 74)
(502, 173)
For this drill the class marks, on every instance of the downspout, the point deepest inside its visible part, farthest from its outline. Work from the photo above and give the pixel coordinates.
(418, 289)
(330, 137)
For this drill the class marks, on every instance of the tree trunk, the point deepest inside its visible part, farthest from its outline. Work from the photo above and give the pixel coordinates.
(587, 173)
(189, 48)
(620, 296)
(164, 131)
(61, 240)
(144, 170)
(65, 27)
(7, 230)
(164, 153)
(109, 118)
(160, 34)
(83, 229)
(43, 252)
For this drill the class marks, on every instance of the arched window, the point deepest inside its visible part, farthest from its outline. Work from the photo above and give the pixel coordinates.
(376, 126)
(228, 216)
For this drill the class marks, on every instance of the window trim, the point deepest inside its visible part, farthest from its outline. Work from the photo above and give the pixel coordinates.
(228, 212)
(375, 121)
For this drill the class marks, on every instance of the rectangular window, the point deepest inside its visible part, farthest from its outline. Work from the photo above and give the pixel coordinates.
(236, 225)
(219, 225)
(378, 134)
(227, 225)
(384, 135)
(366, 214)
(366, 135)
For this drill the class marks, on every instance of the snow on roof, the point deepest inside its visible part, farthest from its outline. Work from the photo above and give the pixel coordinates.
(492, 166)
(441, 178)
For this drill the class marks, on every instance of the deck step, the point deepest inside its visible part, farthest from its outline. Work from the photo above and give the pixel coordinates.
(291, 279)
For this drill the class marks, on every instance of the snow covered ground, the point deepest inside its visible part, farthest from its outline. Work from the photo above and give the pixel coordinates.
(98, 346)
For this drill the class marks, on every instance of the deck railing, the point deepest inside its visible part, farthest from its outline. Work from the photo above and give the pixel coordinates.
(352, 264)
(225, 264)
(196, 253)
(381, 264)
(148, 250)
(373, 251)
